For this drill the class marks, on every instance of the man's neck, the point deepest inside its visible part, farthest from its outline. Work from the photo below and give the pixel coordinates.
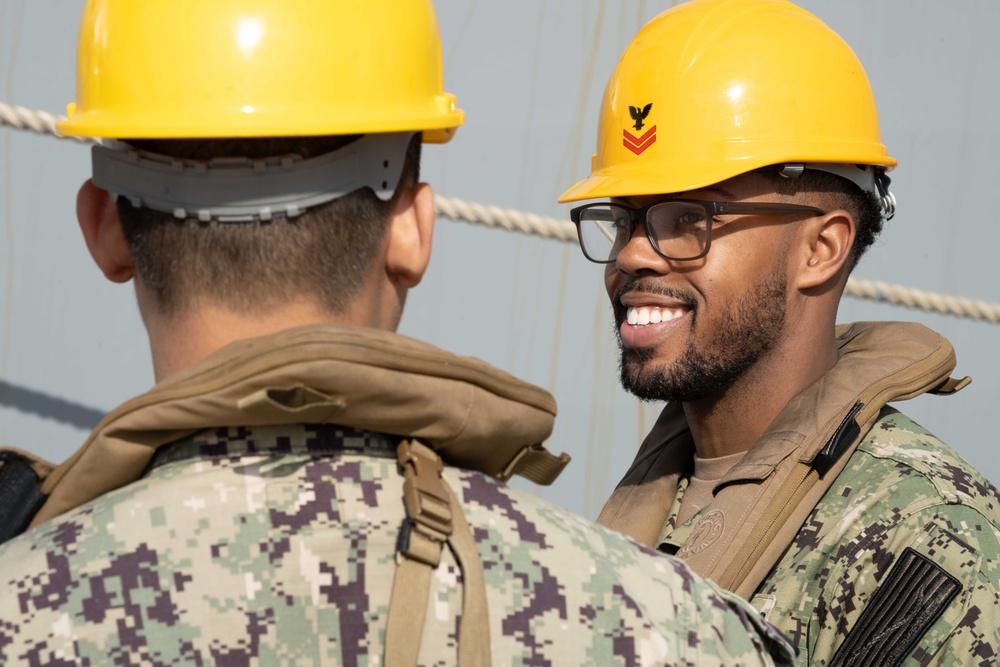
(177, 342)
(732, 421)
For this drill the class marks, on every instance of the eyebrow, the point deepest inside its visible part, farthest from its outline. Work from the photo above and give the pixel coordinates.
(722, 191)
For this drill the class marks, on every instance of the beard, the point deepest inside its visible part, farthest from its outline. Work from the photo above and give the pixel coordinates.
(748, 330)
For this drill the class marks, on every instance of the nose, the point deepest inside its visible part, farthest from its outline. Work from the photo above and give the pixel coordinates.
(638, 255)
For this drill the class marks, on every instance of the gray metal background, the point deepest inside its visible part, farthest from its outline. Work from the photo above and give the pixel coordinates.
(529, 75)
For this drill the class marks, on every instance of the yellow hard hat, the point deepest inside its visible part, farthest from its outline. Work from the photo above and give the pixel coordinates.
(254, 68)
(711, 89)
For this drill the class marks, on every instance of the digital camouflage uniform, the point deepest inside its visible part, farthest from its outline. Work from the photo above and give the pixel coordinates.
(276, 545)
(902, 489)
(894, 560)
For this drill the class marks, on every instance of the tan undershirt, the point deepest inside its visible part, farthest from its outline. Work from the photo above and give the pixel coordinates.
(699, 492)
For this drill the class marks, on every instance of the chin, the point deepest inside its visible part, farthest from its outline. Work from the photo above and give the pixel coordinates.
(640, 377)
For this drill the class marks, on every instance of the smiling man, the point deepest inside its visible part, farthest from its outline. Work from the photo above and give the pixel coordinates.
(304, 486)
(742, 177)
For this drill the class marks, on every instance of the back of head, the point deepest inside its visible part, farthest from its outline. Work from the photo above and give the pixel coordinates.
(258, 148)
(712, 89)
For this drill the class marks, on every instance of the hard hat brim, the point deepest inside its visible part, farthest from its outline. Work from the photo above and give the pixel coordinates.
(438, 126)
(638, 179)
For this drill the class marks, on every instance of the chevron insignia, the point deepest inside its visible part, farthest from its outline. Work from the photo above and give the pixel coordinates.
(638, 144)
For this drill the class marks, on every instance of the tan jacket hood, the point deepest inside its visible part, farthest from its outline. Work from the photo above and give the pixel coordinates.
(762, 501)
(474, 415)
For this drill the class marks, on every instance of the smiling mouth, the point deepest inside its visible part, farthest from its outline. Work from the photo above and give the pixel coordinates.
(640, 316)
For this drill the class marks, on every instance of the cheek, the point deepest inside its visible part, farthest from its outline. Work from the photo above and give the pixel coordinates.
(723, 284)
(746, 260)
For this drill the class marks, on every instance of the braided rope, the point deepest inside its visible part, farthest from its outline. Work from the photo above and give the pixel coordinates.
(33, 120)
(505, 218)
(929, 301)
(513, 220)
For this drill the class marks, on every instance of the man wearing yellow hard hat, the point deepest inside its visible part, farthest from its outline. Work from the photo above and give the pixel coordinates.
(741, 176)
(303, 485)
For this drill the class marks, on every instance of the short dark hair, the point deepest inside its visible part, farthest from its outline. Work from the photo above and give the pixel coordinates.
(839, 193)
(321, 254)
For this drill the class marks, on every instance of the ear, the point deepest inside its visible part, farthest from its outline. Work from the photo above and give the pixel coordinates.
(411, 231)
(102, 232)
(827, 249)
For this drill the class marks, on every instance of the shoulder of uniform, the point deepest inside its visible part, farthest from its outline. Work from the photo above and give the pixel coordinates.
(919, 464)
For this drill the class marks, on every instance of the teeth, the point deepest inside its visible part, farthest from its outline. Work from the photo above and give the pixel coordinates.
(640, 317)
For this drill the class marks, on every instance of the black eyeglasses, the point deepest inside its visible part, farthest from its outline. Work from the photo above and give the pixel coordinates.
(678, 229)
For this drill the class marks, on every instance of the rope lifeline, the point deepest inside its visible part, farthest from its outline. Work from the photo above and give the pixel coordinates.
(33, 120)
(43, 122)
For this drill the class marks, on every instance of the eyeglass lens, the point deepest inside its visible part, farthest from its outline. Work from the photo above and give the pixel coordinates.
(679, 230)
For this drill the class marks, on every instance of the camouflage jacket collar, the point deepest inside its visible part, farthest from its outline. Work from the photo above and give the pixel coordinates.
(476, 416)
(796, 458)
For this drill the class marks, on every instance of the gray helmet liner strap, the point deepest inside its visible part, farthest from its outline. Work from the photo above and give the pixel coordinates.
(242, 189)
(869, 178)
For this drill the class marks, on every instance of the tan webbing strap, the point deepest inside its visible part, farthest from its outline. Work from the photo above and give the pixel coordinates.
(433, 517)
(474, 633)
(951, 385)
(407, 610)
(798, 485)
(536, 464)
(427, 526)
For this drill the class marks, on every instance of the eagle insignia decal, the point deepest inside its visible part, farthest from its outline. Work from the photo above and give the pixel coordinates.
(639, 144)
(639, 115)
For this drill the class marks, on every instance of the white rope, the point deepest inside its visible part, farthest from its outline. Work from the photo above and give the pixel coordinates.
(505, 218)
(930, 301)
(546, 227)
(33, 120)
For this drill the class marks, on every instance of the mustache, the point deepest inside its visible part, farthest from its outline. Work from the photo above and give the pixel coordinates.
(651, 286)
